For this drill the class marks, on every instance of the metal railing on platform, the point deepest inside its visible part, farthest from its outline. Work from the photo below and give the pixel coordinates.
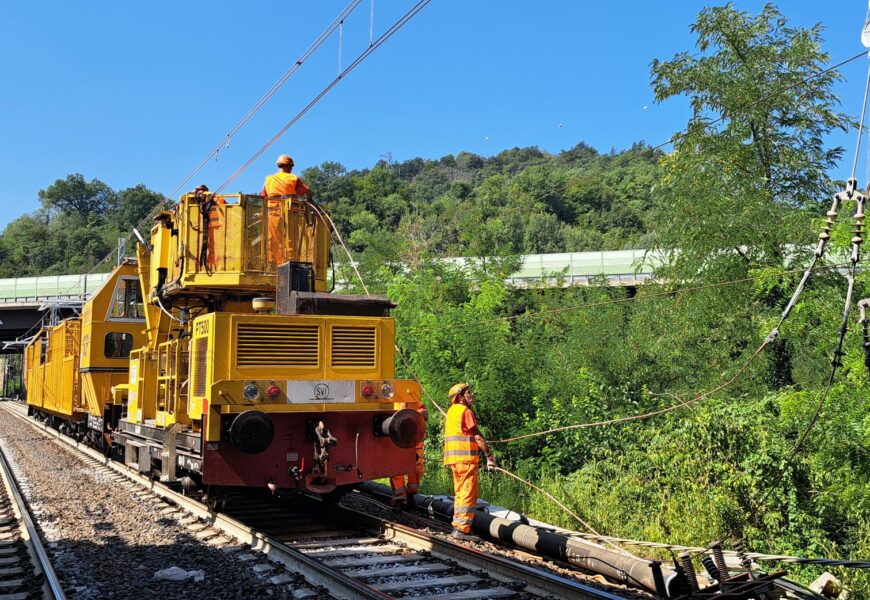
(34, 290)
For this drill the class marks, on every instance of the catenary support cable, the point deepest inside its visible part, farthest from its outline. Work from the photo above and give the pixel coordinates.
(401, 22)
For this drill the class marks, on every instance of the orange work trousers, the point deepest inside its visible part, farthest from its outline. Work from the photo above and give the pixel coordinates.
(216, 222)
(401, 488)
(466, 485)
(276, 233)
(213, 225)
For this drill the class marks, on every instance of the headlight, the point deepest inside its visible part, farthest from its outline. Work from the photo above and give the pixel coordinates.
(251, 392)
(387, 390)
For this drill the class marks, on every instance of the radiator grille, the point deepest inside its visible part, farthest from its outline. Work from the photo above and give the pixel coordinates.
(259, 344)
(353, 347)
(200, 365)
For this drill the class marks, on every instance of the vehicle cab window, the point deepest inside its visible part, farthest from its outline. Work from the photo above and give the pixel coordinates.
(127, 304)
(118, 345)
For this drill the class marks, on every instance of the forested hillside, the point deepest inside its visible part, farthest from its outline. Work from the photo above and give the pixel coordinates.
(519, 201)
(79, 222)
(760, 450)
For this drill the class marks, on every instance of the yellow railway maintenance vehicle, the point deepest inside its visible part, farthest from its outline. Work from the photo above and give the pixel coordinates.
(72, 367)
(218, 358)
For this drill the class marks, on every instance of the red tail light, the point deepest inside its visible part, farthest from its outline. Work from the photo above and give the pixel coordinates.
(273, 391)
(367, 389)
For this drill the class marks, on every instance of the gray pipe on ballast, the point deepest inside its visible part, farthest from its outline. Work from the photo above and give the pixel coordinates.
(636, 572)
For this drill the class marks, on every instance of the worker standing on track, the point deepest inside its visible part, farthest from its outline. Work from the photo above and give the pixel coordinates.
(282, 183)
(462, 441)
(403, 491)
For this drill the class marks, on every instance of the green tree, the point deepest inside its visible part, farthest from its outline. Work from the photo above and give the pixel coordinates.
(750, 171)
(752, 160)
(74, 195)
(329, 182)
(25, 247)
(130, 206)
(79, 223)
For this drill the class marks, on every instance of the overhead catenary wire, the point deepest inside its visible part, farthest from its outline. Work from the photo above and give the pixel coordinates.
(561, 505)
(680, 135)
(325, 34)
(673, 138)
(337, 22)
(623, 300)
(359, 59)
(704, 395)
(726, 114)
(334, 229)
(647, 415)
(759, 556)
(857, 240)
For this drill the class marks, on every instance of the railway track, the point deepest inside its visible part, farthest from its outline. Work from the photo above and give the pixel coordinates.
(348, 553)
(25, 567)
(398, 561)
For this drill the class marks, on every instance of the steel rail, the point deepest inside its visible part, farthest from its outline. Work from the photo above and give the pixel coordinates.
(30, 532)
(539, 580)
(314, 571)
(344, 586)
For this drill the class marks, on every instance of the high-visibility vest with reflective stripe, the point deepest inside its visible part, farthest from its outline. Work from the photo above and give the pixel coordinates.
(458, 447)
(281, 184)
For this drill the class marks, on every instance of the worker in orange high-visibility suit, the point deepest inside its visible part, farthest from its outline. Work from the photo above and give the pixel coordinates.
(215, 213)
(462, 441)
(282, 183)
(403, 492)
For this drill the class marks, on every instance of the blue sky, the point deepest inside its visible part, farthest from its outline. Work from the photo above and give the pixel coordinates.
(138, 92)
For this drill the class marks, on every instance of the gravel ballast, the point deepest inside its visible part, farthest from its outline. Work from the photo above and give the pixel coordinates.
(110, 539)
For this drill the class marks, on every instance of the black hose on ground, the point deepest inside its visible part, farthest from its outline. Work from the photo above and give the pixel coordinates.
(636, 572)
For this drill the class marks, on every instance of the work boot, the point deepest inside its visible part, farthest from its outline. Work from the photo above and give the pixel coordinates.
(465, 537)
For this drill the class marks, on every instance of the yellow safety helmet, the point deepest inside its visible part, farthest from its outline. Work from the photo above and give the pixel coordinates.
(456, 390)
(285, 160)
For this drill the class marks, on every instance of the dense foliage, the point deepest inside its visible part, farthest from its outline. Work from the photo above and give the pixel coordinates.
(742, 195)
(79, 222)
